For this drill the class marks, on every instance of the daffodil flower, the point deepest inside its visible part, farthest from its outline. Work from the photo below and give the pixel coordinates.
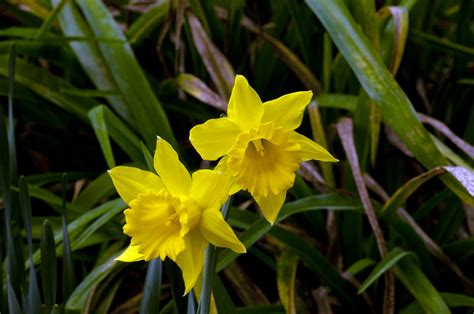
(174, 215)
(261, 149)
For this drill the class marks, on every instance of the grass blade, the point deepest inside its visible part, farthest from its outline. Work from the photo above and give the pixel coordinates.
(78, 298)
(379, 84)
(89, 55)
(99, 125)
(33, 296)
(148, 113)
(48, 86)
(420, 287)
(464, 176)
(286, 276)
(119, 132)
(385, 264)
(150, 302)
(69, 275)
(359, 266)
(13, 305)
(48, 266)
(50, 20)
(148, 21)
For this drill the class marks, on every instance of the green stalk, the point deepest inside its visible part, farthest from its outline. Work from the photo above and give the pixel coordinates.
(210, 268)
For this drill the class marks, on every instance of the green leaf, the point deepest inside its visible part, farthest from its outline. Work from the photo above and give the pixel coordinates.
(287, 265)
(396, 109)
(148, 21)
(464, 176)
(97, 118)
(89, 56)
(150, 302)
(48, 86)
(420, 287)
(50, 20)
(422, 38)
(78, 298)
(13, 305)
(224, 303)
(148, 114)
(48, 266)
(385, 264)
(33, 296)
(82, 221)
(98, 222)
(457, 300)
(119, 132)
(97, 189)
(359, 266)
(260, 227)
(69, 280)
(338, 101)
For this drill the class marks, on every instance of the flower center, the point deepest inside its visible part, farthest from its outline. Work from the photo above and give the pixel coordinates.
(157, 222)
(263, 160)
(259, 147)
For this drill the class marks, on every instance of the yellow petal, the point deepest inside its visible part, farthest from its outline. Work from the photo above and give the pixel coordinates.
(214, 138)
(245, 107)
(287, 111)
(217, 231)
(271, 205)
(174, 175)
(209, 188)
(191, 260)
(129, 182)
(130, 254)
(264, 160)
(310, 149)
(223, 167)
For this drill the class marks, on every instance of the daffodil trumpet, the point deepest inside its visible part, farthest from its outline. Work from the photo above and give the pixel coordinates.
(260, 148)
(173, 214)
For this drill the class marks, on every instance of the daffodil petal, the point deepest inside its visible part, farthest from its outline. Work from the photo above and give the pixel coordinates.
(191, 260)
(271, 205)
(153, 226)
(129, 182)
(209, 188)
(245, 107)
(130, 254)
(174, 175)
(310, 149)
(224, 168)
(217, 231)
(214, 138)
(287, 111)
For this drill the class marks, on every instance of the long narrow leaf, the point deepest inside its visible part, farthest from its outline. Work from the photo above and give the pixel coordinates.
(48, 266)
(148, 113)
(386, 263)
(380, 85)
(150, 302)
(420, 287)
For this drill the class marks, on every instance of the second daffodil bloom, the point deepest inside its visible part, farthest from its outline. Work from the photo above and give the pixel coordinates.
(174, 215)
(261, 148)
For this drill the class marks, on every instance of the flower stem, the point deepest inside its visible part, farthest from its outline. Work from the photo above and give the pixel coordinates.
(210, 268)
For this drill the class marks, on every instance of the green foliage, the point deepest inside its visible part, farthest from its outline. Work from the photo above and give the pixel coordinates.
(85, 87)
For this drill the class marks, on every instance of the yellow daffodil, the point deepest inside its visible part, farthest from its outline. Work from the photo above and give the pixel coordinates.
(174, 215)
(261, 148)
